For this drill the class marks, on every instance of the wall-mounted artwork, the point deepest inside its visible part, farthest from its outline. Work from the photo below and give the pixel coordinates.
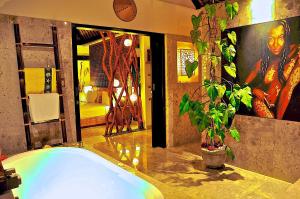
(268, 60)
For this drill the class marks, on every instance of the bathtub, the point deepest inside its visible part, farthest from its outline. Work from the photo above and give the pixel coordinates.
(66, 172)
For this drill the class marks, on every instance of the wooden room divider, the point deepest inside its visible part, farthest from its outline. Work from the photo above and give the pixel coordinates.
(120, 65)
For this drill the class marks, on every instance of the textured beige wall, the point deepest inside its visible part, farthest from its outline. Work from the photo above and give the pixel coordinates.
(12, 131)
(152, 15)
(268, 146)
(179, 129)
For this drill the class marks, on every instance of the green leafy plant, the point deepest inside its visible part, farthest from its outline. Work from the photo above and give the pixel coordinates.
(214, 116)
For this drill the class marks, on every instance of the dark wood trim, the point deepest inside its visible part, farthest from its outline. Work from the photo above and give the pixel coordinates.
(20, 62)
(76, 83)
(58, 83)
(37, 45)
(90, 40)
(196, 4)
(201, 3)
(82, 57)
(77, 25)
(55, 45)
(157, 44)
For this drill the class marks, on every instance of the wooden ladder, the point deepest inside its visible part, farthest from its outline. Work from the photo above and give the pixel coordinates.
(19, 47)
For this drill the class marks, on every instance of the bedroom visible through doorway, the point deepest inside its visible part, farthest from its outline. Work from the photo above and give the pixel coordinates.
(114, 81)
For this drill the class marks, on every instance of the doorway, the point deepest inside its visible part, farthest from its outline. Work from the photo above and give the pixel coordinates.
(104, 98)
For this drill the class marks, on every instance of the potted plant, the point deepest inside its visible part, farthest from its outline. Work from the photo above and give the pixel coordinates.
(214, 116)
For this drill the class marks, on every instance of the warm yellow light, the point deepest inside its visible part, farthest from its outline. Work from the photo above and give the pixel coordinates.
(133, 97)
(119, 92)
(86, 89)
(127, 42)
(262, 11)
(116, 83)
(184, 78)
(135, 162)
(137, 151)
(106, 109)
(137, 148)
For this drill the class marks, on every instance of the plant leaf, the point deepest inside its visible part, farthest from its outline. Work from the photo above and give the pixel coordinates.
(235, 7)
(221, 90)
(223, 24)
(246, 97)
(203, 124)
(236, 87)
(225, 117)
(211, 10)
(228, 52)
(234, 100)
(232, 37)
(196, 106)
(207, 83)
(196, 21)
(211, 133)
(235, 134)
(230, 153)
(193, 118)
(215, 60)
(195, 34)
(221, 134)
(184, 105)
(231, 110)
(216, 115)
(232, 50)
(202, 46)
(231, 69)
(232, 9)
(212, 92)
(221, 107)
(190, 67)
(227, 93)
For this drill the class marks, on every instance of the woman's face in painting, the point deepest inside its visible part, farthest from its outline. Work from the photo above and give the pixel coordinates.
(276, 39)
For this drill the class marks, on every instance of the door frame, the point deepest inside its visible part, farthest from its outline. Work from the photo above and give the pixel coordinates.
(157, 48)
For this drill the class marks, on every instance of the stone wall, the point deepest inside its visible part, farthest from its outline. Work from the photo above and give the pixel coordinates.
(12, 131)
(179, 129)
(268, 146)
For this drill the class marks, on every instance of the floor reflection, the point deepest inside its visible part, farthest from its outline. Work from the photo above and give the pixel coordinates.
(181, 169)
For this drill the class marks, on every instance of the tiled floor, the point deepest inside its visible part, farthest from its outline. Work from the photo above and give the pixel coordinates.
(178, 172)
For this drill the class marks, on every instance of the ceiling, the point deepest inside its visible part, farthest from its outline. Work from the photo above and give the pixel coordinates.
(192, 3)
(84, 36)
(185, 3)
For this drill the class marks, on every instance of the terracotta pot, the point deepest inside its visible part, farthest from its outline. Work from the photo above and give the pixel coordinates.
(214, 159)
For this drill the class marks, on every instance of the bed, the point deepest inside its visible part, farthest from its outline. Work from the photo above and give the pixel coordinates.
(94, 108)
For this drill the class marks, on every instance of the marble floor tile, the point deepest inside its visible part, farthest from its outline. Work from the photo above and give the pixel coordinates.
(179, 171)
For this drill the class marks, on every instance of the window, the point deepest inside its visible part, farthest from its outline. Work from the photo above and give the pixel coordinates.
(182, 56)
(185, 51)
